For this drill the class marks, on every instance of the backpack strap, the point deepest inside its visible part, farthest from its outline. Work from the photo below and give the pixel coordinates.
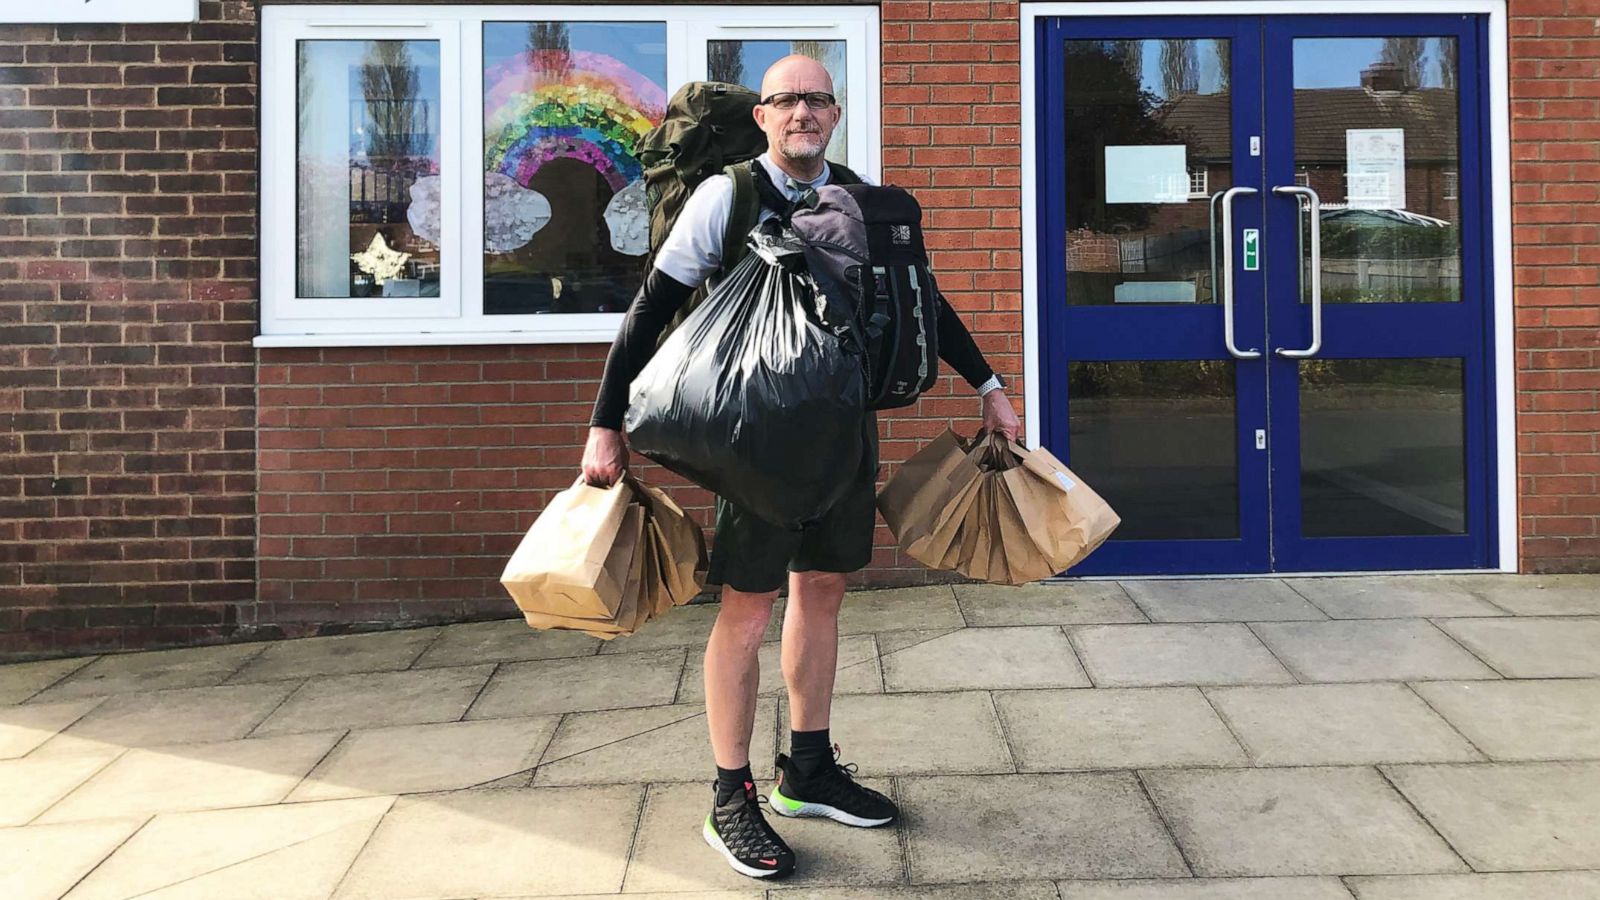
(742, 216)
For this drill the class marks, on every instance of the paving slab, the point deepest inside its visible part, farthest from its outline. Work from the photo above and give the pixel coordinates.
(670, 854)
(1393, 597)
(152, 670)
(987, 890)
(195, 776)
(180, 716)
(32, 785)
(1338, 821)
(43, 862)
(1496, 886)
(685, 626)
(856, 671)
(1220, 600)
(1533, 647)
(549, 686)
(1207, 889)
(289, 852)
(1111, 728)
(1155, 655)
(900, 609)
(671, 895)
(654, 744)
(506, 640)
(1059, 603)
(1538, 595)
(1338, 725)
(1507, 817)
(976, 828)
(378, 700)
(903, 734)
(1509, 720)
(344, 654)
(22, 728)
(978, 659)
(533, 842)
(414, 759)
(1369, 650)
(19, 681)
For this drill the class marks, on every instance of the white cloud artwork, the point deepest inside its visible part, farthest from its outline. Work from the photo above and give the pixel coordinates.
(379, 261)
(512, 214)
(628, 218)
(423, 213)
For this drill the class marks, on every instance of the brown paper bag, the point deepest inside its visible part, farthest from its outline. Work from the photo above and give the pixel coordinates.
(681, 553)
(564, 565)
(941, 547)
(1078, 521)
(623, 563)
(923, 486)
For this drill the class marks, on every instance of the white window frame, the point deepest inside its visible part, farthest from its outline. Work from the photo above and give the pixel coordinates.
(1202, 191)
(456, 317)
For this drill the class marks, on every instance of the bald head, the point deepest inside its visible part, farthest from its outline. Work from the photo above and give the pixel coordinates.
(797, 137)
(795, 73)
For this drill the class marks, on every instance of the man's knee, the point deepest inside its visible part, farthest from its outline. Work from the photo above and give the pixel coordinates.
(817, 587)
(747, 613)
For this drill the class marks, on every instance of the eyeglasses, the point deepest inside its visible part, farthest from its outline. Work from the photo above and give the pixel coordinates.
(789, 100)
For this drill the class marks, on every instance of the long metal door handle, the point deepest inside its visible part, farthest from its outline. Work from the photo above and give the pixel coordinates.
(1227, 274)
(1315, 202)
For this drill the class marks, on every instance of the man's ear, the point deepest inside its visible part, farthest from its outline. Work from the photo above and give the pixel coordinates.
(760, 114)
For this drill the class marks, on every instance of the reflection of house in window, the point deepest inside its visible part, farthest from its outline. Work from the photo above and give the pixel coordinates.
(1197, 183)
(1302, 178)
(1452, 184)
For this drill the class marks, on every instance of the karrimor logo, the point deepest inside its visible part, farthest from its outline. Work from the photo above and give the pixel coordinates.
(900, 234)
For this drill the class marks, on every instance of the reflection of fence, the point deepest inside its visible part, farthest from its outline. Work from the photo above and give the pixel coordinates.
(379, 195)
(1392, 277)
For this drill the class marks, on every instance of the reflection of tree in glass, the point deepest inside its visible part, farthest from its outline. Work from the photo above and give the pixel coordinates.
(1409, 55)
(397, 117)
(552, 36)
(725, 61)
(1107, 105)
(1180, 68)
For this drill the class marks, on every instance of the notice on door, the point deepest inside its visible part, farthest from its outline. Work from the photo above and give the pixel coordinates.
(1150, 174)
(98, 11)
(1375, 168)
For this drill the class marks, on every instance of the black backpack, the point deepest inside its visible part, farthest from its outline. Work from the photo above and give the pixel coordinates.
(863, 245)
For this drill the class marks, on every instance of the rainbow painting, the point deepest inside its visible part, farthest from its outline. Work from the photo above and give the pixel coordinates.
(541, 105)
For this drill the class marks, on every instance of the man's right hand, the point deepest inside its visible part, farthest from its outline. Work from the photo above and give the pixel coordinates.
(605, 457)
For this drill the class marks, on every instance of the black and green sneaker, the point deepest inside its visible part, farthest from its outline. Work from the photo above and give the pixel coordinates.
(739, 831)
(831, 792)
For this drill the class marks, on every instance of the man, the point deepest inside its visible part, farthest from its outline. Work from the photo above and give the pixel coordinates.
(751, 559)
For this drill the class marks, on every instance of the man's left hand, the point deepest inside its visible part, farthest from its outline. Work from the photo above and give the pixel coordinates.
(998, 416)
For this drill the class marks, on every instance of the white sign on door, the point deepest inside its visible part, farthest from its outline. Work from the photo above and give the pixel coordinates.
(1375, 168)
(51, 12)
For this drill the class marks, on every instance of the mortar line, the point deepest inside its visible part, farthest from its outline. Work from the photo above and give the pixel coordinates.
(629, 737)
(320, 760)
(1172, 835)
(87, 662)
(479, 695)
(244, 663)
(124, 751)
(633, 840)
(1005, 736)
(149, 817)
(350, 867)
(1446, 719)
(1228, 724)
(1251, 627)
(1429, 822)
(437, 637)
(1470, 652)
(281, 704)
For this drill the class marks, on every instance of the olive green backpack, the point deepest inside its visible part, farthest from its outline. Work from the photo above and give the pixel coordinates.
(709, 128)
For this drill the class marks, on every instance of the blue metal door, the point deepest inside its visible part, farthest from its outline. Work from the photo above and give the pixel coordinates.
(1264, 271)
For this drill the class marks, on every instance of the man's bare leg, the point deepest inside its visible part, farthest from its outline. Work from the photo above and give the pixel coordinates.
(811, 646)
(733, 672)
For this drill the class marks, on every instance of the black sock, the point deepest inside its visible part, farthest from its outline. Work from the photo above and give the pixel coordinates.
(810, 750)
(732, 781)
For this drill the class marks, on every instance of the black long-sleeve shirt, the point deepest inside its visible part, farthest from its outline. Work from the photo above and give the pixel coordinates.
(662, 296)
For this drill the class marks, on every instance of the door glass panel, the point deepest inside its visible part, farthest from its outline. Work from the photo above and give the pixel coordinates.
(1377, 136)
(1382, 447)
(744, 62)
(1158, 441)
(366, 158)
(1147, 143)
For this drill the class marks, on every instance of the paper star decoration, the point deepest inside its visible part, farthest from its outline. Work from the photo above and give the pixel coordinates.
(379, 261)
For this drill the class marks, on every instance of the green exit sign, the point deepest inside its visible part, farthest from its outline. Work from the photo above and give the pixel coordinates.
(1252, 249)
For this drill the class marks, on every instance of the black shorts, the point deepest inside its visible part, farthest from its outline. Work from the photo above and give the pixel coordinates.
(752, 555)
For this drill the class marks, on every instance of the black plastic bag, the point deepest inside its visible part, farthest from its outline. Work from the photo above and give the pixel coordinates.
(758, 396)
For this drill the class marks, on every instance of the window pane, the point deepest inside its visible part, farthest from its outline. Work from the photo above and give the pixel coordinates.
(1382, 447)
(1148, 142)
(564, 105)
(1376, 131)
(744, 62)
(1158, 441)
(367, 169)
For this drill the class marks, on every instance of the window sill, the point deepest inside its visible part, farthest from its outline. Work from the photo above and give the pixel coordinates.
(439, 338)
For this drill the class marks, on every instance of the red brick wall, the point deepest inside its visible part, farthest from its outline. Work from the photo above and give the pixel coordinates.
(127, 222)
(1555, 134)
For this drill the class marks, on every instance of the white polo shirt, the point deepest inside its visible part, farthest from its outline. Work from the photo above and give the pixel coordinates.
(693, 249)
